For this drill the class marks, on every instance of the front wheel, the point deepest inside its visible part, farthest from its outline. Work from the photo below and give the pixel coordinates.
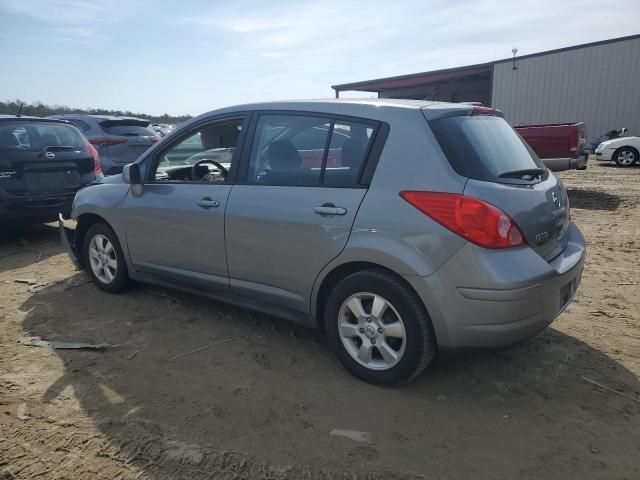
(625, 156)
(379, 328)
(104, 259)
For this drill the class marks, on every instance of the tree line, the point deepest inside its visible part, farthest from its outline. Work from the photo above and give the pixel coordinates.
(38, 109)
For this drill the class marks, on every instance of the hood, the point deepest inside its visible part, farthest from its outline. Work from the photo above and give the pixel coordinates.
(112, 179)
(617, 142)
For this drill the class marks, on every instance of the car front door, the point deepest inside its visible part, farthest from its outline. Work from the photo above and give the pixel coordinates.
(294, 212)
(175, 228)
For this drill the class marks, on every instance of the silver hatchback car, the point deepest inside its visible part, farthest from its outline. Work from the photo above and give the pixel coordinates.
(397, 227)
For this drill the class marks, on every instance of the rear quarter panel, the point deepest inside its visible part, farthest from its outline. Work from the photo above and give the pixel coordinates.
(387, 230)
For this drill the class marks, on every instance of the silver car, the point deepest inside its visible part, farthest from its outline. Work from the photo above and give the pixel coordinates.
(400, 228)
(118, 140)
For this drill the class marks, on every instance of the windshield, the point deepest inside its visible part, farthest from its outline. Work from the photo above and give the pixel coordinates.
(484, 147)
(36, 136)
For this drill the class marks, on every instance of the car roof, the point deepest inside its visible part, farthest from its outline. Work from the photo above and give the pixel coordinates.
(345, 102)
(373, 108)
(83, 115)
(26, 118)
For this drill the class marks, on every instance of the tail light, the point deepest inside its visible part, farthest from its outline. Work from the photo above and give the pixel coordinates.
(96, 160)
(574, 141)
(482, 110)
(477, 221)
(107, 141)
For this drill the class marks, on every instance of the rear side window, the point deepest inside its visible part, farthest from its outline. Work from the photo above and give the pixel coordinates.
(484, 147)
(307, 150)
(36, 136)
(127, 128)
(347, 151)
(82, 125)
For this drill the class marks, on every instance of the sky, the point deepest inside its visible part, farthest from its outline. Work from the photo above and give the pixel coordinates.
(192, 56)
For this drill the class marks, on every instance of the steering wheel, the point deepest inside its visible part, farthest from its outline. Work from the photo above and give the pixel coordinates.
(194, 169)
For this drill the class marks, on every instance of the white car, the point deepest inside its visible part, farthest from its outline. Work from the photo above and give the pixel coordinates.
(623, 151)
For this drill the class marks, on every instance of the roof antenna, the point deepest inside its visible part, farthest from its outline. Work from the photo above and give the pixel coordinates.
(514, 50)
(19, 114)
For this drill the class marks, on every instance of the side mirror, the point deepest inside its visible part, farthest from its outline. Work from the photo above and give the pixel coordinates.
(131, 174)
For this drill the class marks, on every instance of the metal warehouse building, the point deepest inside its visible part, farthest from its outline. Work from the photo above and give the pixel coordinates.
(598, 83)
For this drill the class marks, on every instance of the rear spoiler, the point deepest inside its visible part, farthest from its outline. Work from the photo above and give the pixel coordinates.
(125, 122)
(434, 112)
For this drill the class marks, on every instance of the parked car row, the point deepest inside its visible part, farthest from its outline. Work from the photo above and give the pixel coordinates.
(119, 140)
(45, 161)
(400, 228)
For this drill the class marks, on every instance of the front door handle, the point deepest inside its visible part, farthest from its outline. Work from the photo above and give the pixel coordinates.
(329, 209)
(207, 202)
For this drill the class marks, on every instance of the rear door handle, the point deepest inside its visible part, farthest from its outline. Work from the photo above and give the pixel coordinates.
(207, 202)
(329, 209)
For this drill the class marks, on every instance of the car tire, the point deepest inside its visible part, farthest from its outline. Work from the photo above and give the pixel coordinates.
(104, 259)
(625, 157)
(369, 345)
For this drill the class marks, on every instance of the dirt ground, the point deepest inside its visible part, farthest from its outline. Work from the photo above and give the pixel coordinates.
(263, 404)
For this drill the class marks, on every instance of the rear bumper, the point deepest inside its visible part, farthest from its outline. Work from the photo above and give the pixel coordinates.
(67, 238)
(496, 298)
(34, 206)
(578, 162)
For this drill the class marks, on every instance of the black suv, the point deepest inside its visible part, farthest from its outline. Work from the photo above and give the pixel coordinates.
(43, 163)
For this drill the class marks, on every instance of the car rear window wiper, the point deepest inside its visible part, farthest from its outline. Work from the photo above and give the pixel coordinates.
(525, 173)
(59, 148)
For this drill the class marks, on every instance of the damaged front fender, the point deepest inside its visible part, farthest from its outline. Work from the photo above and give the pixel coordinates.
(67, 237)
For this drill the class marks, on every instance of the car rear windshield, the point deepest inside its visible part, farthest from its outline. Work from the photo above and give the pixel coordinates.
(127, 128)
(485, 147)
(36, 136)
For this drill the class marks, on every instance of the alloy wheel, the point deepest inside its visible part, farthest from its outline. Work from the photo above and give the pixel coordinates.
(103, 260)
(625, 158)
(372, 331)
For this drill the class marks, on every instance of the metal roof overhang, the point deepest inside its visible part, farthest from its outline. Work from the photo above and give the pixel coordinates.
(416, 79)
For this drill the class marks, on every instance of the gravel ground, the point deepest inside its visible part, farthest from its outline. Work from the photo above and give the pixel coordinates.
(263, 404)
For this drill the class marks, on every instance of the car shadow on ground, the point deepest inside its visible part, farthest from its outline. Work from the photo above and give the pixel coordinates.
(268, 396)
(593, 199)
(23, 244)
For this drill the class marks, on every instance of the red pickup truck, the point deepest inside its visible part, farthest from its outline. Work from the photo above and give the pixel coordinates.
(559, 145)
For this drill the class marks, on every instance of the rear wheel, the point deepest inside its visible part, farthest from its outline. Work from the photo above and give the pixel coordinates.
(104, 259)
(378, 328)
(625, 156)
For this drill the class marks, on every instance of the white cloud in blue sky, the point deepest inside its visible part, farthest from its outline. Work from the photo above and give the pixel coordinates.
(193, 56)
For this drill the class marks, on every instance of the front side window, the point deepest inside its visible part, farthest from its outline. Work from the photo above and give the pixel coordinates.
(308, 151)
(205, 155)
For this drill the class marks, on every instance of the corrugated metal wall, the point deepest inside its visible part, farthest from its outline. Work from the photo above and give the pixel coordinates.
(599, 85)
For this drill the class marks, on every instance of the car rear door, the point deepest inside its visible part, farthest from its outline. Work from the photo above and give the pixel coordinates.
(294, 214)
(175, 227)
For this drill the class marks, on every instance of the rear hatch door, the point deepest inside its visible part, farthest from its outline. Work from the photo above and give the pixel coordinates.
(38, 158)
(127, 138)
(505, 172)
